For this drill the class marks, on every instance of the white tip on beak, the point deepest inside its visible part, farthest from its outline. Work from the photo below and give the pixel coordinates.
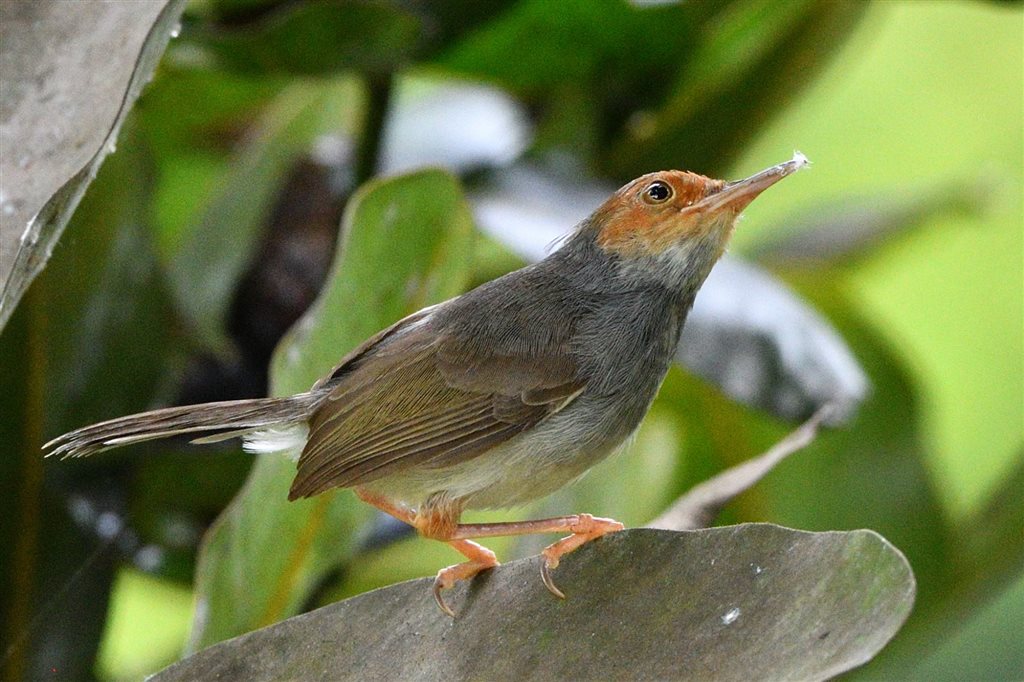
(736, 195)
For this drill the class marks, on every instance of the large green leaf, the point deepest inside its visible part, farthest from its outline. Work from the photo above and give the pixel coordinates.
(406, 243)
(738, 603)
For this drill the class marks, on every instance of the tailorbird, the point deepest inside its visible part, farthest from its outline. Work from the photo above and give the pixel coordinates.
(503, 394)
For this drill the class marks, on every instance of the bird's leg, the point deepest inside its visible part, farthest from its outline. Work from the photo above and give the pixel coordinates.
(480, 559)
(387, 506)
(439, 522)
(583, 527)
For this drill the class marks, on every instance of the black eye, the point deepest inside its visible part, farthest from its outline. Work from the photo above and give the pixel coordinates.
(657, 192)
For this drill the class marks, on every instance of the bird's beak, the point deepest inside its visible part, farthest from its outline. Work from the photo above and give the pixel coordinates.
(735, 196)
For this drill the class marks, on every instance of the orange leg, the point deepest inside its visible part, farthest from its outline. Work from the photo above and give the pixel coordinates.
(442, 524)
(438, 526)
(583, 527)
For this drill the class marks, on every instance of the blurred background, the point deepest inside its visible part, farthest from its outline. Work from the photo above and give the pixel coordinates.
(888, 278)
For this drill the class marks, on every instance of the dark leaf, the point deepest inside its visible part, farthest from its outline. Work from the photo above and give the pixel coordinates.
(82, 91)
(986, 560)
(80, 348)
(316, 37)
(754, 602)
(746, 64)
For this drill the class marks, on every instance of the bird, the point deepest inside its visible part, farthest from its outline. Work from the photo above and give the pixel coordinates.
(500, 395)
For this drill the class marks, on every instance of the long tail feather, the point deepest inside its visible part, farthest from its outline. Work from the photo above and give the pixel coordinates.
(239, 417)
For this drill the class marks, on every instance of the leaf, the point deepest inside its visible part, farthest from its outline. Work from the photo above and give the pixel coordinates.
(83, 92)
(736, 603)
(461, 126)
(753, 337)
(80, 348)
(746, 64)
(264, 555)
(220, 243)
(318, 36)
(638, 89)
(747, 333)
(315, 37)
(985, 562)
(874, 474)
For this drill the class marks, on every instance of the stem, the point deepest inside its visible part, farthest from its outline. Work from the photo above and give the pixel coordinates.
(379, 88)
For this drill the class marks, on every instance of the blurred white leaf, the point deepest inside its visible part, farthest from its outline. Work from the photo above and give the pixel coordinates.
(459, 126)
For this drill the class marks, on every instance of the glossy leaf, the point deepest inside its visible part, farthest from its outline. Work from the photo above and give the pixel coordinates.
(735, 603)
(83, 91)
(263, 557)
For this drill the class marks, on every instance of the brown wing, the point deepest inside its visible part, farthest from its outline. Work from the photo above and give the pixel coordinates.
(423, 395)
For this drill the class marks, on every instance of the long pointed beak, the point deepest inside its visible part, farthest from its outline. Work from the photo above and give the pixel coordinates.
(735, 196)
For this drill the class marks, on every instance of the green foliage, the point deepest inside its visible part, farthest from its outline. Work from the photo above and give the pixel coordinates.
(212, 189)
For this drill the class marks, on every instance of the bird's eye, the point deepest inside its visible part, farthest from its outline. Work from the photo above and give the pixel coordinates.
(657, 193)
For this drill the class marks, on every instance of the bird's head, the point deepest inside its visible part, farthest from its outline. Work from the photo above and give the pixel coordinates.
(674, 225)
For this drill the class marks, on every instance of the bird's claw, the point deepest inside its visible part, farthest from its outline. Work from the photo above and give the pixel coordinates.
(545, 575)
(439, 597)
(585, 529)
(447, 577)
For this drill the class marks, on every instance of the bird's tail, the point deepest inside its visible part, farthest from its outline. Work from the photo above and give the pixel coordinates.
(226, 419)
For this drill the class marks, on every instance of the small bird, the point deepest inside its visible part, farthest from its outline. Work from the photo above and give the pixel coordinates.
(503, 394)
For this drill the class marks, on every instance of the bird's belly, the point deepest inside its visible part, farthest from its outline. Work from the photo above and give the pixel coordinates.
(529, 466)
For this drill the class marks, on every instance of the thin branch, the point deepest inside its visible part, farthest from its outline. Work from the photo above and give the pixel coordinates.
(699, 506)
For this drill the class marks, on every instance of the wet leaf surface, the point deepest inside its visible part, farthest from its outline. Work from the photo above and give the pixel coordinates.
(83, 91)
(735, 603)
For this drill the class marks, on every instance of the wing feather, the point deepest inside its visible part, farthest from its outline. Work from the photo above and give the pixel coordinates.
(427, 394)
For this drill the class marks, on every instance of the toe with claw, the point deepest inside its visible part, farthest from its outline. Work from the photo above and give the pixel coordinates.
(448, 577)
(585, 529)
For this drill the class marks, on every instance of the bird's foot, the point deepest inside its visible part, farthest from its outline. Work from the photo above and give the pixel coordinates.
(585, 529)
(480, 559)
